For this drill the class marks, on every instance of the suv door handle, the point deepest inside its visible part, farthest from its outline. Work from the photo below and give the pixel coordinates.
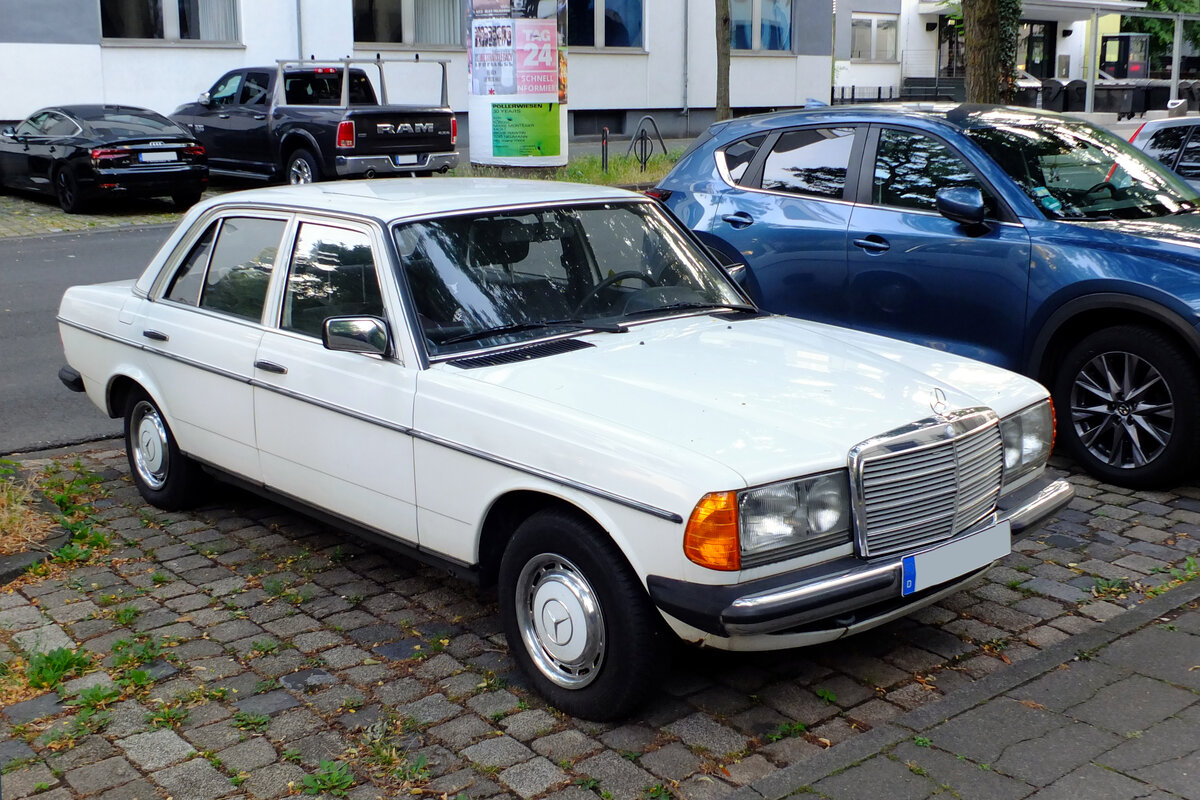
(738, 219)
(270, 366)
(873, 244)
(260, 116)
(222, 116)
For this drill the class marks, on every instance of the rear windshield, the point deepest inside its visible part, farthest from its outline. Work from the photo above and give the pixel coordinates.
(127, 123)
(323, 87)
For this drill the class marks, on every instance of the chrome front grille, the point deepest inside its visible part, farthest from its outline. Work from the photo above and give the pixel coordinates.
(927, 483)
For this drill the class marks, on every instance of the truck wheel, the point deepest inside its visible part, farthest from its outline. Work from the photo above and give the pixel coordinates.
(577, 619)
(164, 476)
(302, 168)
(1127, 408)
(66, 189)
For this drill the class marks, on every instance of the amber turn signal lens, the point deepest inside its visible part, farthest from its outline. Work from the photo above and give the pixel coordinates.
(711, 538)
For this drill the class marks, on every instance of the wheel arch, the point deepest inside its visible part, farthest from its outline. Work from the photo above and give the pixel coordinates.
(299, 139)
(1084, 315)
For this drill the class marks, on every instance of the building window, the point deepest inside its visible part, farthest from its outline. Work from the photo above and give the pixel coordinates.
(761, 25)
(604, 23)
(873, 37)
(409, 21)
(195, 20)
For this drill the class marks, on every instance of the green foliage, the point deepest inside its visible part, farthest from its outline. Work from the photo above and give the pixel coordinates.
(142, 650)
(246, 721)
(659, 792)
(786, 730)
(333, 777)
(96, 697)
(1162, 31)
(921, 741)
(125, 614)
(413, 771)
(71, 553)
(45, 670)
(166, 716)
(827, 695)
(136, 680)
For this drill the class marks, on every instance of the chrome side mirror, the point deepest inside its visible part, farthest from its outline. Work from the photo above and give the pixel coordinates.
(356, 335)
(205, 99)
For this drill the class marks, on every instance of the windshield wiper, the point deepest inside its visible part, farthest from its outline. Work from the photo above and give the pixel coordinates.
(641, 312)
(499, 330)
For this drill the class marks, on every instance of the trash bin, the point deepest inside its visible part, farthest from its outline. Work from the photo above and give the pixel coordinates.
(1025, 93)
(1158, 92)
(1054, 94)
(1076, 96)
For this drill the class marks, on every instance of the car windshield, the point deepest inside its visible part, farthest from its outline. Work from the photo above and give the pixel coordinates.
(1073, 171)
(129, 124)
(505, 277)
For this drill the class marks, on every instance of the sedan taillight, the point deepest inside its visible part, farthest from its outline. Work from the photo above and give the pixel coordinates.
(194, 150)
(345, 134)
(109, 156)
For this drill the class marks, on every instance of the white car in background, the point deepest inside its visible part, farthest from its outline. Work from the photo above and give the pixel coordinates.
(551, 388)
(1174, 142)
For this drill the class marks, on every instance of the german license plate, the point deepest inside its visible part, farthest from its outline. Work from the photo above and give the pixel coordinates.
(404, 161)
(955, 558)
(146, 158)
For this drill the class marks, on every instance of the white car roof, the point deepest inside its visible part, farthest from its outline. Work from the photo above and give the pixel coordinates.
(399, 198)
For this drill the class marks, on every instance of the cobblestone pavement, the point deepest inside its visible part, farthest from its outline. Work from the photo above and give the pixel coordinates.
(249, 649)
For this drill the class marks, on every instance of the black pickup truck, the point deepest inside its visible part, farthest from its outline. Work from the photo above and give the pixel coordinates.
(306, 121)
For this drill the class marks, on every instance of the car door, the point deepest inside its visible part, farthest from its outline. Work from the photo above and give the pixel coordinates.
(787, 216)
(333, 427)
(246, 128)
(917, 275)
(28, 160)
(221, 125)
(206, 323)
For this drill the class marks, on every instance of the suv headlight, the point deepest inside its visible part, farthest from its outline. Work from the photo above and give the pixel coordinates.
(733, 530)
(1028, 439)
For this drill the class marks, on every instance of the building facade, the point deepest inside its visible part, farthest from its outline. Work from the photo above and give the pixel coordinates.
(627, 58)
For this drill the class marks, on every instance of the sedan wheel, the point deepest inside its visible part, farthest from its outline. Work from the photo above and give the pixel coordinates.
(165, 476)
(1130, 397)
(577, 619)
(66, 189)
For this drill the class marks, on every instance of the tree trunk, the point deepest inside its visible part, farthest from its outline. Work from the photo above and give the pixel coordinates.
(984, 44)
(724, 32)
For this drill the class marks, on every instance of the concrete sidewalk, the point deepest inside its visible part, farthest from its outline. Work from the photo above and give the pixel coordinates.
(1109, 714)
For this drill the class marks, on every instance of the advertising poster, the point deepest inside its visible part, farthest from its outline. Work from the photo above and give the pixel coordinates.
(525, 129)
(492, 56)
(518, 83)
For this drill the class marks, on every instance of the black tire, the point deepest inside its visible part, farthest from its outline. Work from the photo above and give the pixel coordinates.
(166, 477)
(66, 191)
(302, 167)
(184, 200)
(1143, 434)
(564, 563)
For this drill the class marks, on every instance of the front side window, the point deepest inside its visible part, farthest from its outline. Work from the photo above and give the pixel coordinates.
(58, 125)
(332, 274)
(761, 25)
(409, 21)
(199, 20)
(811, 162)
(1074, 171)
(241, 265)
(910, 169)
(873, 37)
(604, 23)
(225, 92)
(496, 279)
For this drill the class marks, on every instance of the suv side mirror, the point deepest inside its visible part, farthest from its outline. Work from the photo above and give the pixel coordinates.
(962, 204)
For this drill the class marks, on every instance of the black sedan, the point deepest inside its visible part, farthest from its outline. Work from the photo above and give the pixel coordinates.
(86, 152)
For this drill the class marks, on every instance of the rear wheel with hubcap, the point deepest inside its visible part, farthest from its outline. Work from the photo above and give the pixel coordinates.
(577, 618)
(302, 167)
(166, 477)
(1127, 401)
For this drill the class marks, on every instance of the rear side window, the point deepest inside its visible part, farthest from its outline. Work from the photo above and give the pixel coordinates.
(241, 265)
(739, 155)
(1189, 161)
(1165, 143)
(811, 162)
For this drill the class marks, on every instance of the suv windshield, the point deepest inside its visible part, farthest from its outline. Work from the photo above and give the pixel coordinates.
(505, 277)
(1073, 171)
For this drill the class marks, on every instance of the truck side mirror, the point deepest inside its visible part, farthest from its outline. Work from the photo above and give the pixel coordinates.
(205, 99)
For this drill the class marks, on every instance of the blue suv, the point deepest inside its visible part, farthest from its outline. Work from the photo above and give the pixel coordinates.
(1027, 239)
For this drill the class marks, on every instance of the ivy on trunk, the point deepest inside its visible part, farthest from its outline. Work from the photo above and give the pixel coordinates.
(990, 30)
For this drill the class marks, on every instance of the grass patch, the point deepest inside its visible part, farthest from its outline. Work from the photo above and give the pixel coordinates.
(331, 777)
(623, 170)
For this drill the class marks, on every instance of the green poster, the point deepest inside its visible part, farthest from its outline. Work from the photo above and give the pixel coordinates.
(525, 129)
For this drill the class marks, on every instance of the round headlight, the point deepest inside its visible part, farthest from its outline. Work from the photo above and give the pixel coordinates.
(827, 504)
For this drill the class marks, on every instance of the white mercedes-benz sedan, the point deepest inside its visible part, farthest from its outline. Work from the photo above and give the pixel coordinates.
(554, 389)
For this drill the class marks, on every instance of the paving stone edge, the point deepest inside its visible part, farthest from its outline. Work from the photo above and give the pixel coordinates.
(789, 780)
(13, 565)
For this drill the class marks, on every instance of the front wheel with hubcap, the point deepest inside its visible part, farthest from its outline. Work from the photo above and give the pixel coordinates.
(577, 618)
(1126, 398)
(302, 168)
(165, 476)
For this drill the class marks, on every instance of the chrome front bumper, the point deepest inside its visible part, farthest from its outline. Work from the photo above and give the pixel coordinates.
(847, 591)
(385, 166)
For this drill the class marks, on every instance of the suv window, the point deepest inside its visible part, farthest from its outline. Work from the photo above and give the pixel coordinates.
(811, 161)
(332, 274)
(1164, 143)
(241, 265)
(739, 155)
(910, 169)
